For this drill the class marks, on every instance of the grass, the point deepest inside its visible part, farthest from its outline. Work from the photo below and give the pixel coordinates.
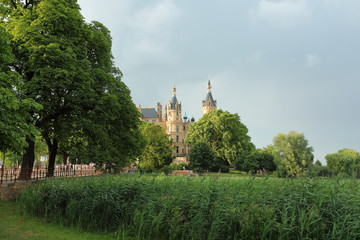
(15, 226)
(169, 207)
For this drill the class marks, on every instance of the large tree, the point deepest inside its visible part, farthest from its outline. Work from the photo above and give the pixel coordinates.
(68, 68)
(14, 113)
(292, 153)
(158, 148)
(345, 161)
(224, 132)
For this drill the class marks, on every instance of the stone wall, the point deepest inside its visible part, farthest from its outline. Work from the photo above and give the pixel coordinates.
(9, 191)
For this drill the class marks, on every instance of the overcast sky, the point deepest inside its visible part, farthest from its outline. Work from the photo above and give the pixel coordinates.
(282, 65)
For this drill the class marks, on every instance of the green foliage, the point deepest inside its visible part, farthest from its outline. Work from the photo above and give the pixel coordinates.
(66, 65)
(201, 157)
(316, 170)
(40, 149)
(345, 161)
(225, 134)
(158, 150)
(256, 161)
(150, 207)
(15, 226)
(292, 153)
(318, 163)
(14, 114)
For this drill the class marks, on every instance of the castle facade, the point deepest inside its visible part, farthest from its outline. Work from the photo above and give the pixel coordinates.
(174, 123)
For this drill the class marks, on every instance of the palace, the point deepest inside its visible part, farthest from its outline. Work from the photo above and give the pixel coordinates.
(175, 124)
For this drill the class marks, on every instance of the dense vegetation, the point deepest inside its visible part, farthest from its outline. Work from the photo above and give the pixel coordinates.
(226, 135)
(159, 207)
(58, 79)
(16, 226)
(158, 150)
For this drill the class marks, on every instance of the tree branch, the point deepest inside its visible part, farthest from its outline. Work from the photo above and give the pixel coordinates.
(14, 3)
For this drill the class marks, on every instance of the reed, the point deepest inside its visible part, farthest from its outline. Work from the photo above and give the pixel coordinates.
(169, 207)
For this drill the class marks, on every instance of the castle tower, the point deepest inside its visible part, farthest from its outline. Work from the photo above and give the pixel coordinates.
(174, 125)
(159, 111)
(209, 103)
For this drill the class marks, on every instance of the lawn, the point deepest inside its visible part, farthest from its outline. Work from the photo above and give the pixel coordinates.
(15, 226)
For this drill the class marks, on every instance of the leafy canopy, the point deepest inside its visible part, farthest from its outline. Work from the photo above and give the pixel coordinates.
(201, 157)
(67, 66)
(292, 153)
(223, 132)
(14, 111)
(255, 161)
(158, 149)
(346, 161)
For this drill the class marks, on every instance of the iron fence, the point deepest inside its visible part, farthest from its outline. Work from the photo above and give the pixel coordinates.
(12, 174)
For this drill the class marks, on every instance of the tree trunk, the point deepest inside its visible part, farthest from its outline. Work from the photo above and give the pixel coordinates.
(28, 159)
(53, 147)
(65, 157)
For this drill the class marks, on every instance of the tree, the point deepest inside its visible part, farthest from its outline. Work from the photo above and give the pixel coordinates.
(224, 133)
(345, 161)
(67, 67)
(318, 163)
(201, 157)
(158, 149)
(292, 153)
(14, 114)
(256, 161)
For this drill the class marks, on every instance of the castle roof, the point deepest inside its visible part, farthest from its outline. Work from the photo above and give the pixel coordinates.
(209, 100)
(173, 101)
(148, 112)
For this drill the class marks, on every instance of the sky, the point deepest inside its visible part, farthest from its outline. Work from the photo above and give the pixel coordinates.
(282, 65)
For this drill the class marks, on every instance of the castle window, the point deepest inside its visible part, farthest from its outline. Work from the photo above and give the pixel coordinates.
(177, 149)
(177, 128)
(177, 138)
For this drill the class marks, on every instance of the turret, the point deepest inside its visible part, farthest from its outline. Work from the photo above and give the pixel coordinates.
(209, 103)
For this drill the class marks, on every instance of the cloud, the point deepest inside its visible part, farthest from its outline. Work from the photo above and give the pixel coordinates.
(150, 30)
(283, 13)
(312, 60)
(155, 19)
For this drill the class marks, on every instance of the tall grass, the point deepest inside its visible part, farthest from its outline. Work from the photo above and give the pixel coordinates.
(160, 207)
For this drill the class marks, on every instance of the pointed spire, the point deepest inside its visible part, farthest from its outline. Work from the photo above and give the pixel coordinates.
(209, 86)
(174, 91)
